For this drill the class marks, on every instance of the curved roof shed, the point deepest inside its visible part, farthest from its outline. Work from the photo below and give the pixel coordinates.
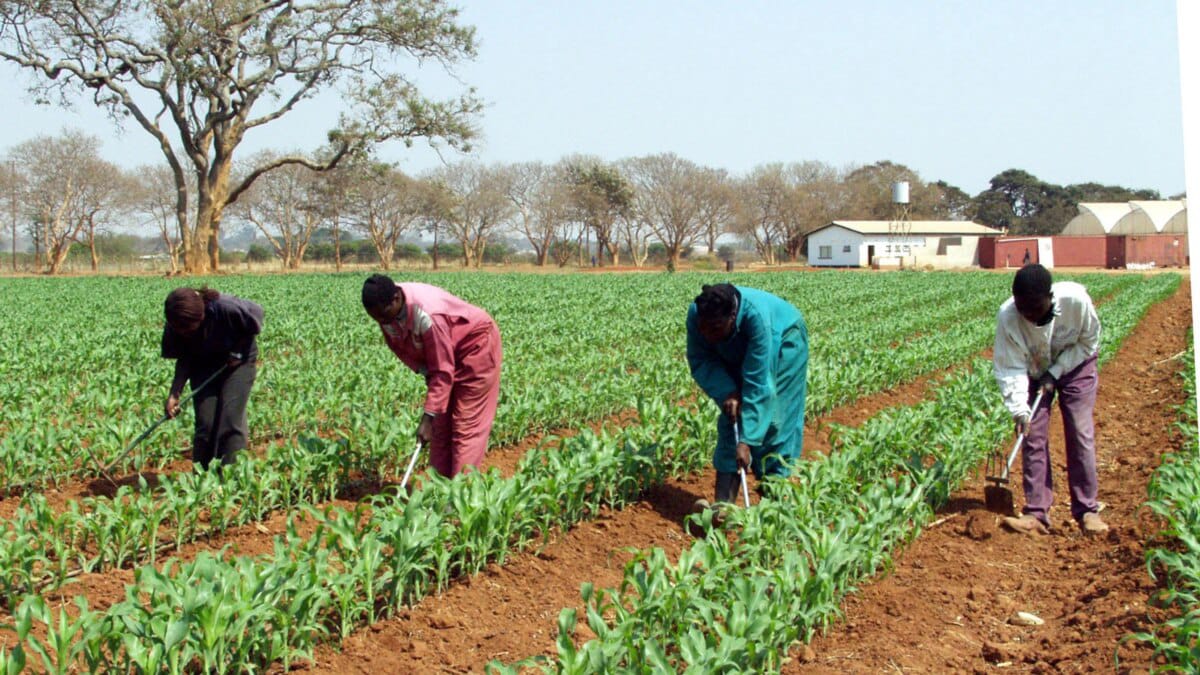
(1166, 216)
(1097, 218)
(1147, 217)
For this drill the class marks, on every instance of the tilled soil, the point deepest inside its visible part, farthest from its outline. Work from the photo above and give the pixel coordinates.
(949, 604)
(510, 612)
(945, 607)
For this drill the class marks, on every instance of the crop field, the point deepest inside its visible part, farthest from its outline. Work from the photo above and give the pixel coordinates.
(306, 555)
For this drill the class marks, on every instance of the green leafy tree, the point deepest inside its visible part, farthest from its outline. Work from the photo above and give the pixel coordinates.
(1023, 204)
(199, 75)
(600, 194)
(258, 253)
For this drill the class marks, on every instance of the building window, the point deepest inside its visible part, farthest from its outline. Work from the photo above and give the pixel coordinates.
(846, 248)
(945, 243)
(824, 252)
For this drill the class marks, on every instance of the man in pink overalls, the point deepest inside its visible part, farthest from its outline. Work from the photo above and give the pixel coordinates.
(456, 346)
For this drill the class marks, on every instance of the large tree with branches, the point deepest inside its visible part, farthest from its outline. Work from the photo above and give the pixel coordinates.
(201, 74)
(600, 194)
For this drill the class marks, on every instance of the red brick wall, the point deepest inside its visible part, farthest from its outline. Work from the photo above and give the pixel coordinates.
(1164, 250)
(1080, 251)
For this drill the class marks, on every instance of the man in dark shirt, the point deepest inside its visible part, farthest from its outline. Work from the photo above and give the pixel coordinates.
(205, 332)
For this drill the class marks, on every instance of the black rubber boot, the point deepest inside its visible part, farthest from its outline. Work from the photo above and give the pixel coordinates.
(727, 486)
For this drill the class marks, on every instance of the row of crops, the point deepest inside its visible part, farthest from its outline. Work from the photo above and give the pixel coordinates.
(737, 603)
(42, 548)
(392, 550)
(1174, 496)
(574, 350)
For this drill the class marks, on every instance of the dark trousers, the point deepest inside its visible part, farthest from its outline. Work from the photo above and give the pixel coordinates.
(221, 415)
(1076, 392)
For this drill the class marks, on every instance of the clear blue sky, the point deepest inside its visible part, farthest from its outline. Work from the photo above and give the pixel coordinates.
(959, 91)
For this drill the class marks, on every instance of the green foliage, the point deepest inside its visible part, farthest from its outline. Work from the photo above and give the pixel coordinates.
(1024, 204)
(775, 574)
(259, 253)
(1174, 496)
(727, 604)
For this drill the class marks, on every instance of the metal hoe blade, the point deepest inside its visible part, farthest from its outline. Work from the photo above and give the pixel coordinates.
(411, 463)
(737, 440)
(996, 495)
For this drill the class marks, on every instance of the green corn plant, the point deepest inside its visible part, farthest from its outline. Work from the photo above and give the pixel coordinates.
(1173, 496)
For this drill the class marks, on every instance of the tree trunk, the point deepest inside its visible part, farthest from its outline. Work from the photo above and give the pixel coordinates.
(57, 255)
(385, 257)
(172, 251)
(39, 232)
(337, 243)
(673, 257)
(614, 251)
(196, 258)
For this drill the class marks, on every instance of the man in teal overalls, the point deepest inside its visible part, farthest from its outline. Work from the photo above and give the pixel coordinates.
(748, 350)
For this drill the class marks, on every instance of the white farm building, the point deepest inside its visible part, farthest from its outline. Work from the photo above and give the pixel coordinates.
(863, 243)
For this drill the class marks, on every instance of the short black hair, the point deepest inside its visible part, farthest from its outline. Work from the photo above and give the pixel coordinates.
(1032, 281)
(715, 302)
(377, 291)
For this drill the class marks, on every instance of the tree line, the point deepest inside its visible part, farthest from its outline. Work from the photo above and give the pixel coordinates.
(61, 194)
(199, 76)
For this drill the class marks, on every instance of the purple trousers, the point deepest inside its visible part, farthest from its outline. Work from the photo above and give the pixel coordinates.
(1076, 391)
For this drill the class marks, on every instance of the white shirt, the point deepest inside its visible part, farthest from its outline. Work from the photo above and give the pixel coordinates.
(1024, 350)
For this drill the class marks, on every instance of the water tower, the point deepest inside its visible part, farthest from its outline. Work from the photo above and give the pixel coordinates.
(900, 226)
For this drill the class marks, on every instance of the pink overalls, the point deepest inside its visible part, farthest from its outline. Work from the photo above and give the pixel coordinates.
(456, 346)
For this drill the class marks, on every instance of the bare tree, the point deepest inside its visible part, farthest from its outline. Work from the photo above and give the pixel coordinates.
(635, 227)
(285, 205)
(482, 206)
(667, 194)
(539, 196)
(815, 197)
(761, 202)
(384, 204)
(105, 194)
(13, 186)
(56, 171)
(204, 73)
(335, 188)
(155, 198)
(436, 203)
(715, 194)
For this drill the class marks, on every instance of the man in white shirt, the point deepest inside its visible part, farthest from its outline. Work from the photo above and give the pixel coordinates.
(1047, 338)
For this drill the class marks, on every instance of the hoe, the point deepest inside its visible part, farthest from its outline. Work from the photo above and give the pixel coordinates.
(411, 463)
(737, 440)
(129, 448)
(996, 495)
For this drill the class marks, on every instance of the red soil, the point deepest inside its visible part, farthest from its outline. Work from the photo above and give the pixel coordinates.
(945, 606)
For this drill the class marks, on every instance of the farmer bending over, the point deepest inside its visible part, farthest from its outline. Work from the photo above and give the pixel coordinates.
(207, 330)
(1047, 336)
(456, 347)
(748, 350)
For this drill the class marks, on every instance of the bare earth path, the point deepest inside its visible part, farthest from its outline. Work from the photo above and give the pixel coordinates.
(946, 605)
